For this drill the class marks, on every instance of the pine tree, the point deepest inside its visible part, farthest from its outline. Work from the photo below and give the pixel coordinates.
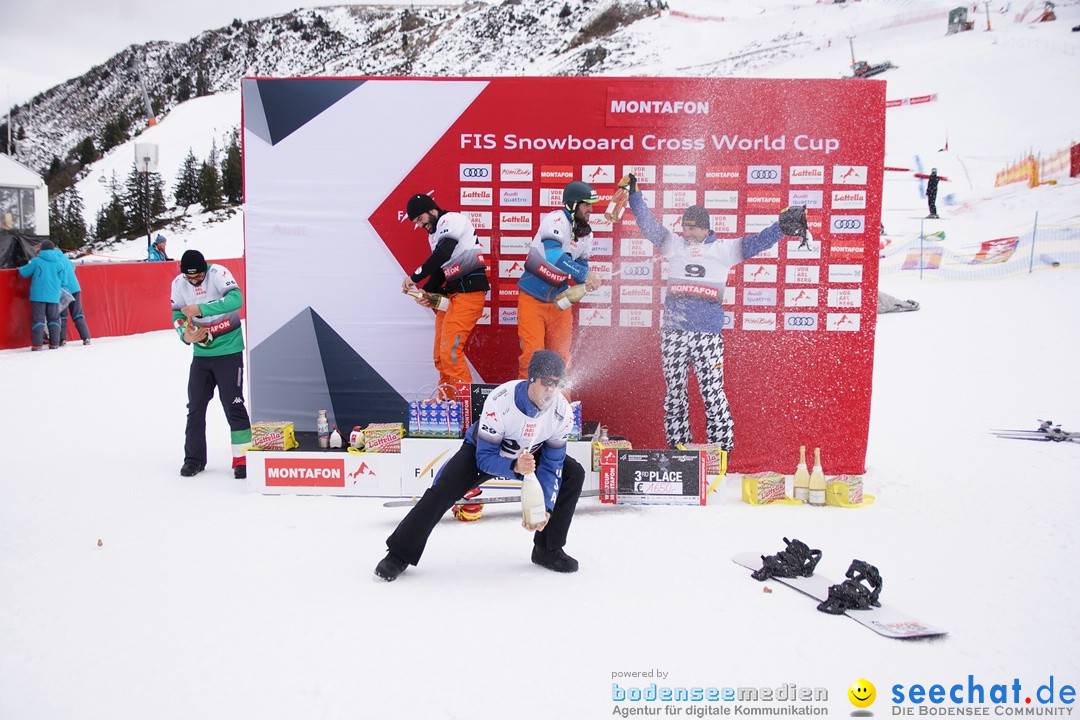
(111, 218)
(186, 190)
(232, 174)
(183, 89)
(143, 200)
(200, 84)
(115, 132)
(67, 227)
(209, 193)
(86, 151)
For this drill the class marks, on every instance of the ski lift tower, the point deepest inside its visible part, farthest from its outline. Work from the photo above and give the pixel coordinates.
(146, 162)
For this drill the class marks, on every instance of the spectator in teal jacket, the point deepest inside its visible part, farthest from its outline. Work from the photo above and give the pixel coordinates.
(46, 273)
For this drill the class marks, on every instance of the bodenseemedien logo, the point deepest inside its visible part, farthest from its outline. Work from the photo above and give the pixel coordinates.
(862, 693)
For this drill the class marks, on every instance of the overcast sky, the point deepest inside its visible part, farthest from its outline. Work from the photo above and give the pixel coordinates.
(45, 42)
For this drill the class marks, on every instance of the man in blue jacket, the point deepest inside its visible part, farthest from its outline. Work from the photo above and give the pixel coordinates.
(46, 272)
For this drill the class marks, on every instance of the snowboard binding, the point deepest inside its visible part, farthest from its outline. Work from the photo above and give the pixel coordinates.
(859, 592)
(796, 560)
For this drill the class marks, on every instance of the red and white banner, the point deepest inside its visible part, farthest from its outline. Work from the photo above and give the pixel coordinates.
(330, 164)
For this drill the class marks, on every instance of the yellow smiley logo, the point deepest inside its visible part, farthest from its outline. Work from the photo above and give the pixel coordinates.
(862, 693)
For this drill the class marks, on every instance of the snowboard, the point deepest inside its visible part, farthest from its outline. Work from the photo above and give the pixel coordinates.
(883, 620)
(481, 500)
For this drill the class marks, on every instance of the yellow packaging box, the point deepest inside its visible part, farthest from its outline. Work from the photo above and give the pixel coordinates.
(763, 488)
(383, 437)
(273, 436)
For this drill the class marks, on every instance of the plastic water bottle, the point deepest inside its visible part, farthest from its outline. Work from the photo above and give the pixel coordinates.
(322, 429)
(533, 511)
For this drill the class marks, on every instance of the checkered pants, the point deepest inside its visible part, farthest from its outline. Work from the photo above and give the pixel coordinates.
(680, 348)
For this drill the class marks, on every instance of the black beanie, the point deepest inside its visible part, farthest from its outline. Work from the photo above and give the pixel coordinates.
(696, 216)
(418, 205)
(546, 363)
(192, 262)
(48, 245)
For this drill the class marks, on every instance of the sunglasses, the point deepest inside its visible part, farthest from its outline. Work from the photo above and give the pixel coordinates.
(552, 382)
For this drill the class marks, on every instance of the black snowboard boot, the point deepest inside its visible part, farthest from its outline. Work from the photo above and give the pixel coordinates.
(556, 559)
(390, 567)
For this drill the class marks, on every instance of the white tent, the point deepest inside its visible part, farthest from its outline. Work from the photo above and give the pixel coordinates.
(24, 199)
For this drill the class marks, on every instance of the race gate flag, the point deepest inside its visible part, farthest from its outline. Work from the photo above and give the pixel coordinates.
(329, 164)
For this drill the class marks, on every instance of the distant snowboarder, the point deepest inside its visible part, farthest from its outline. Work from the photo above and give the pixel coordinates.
(931, 193)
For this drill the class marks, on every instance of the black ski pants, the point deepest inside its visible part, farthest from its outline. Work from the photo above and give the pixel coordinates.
(226, 373)
(459, 475)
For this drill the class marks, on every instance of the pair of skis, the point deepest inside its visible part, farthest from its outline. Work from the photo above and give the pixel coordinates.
(1047, 432)
(479, 500)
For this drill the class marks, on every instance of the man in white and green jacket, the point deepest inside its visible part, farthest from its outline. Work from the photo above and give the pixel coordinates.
(206, 304)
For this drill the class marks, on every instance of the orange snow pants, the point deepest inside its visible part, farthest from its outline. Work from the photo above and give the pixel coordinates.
(542, 326)
(452, 331)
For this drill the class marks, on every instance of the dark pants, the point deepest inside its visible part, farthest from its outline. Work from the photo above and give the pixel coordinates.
(44, 317)
(76, 313)
(226, 373)
(931, 200)
(459, 475)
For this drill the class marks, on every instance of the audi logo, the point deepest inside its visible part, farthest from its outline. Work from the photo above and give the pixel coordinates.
(847, 223)
(637, 271)
(475, 172)
(764, 174)
(801, 321)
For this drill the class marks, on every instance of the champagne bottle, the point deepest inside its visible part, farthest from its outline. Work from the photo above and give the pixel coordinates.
(569, 296)
(619, 200)
(533, 511)
(437, 301)
(802, 477)
(817, 481)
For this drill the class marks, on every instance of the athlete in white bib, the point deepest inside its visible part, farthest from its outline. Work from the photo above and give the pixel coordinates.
(699, 263)
(523, 427)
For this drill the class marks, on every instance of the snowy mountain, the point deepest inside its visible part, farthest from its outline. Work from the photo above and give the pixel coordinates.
(970, 134)
(542, 37)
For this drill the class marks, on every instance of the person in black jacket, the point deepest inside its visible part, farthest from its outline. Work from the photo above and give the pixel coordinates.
(931, 193)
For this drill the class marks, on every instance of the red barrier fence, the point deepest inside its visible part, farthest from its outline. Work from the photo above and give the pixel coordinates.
(118, 299)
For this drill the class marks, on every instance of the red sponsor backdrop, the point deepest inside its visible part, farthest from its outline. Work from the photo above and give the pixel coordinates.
(800, 336)
(118, 299)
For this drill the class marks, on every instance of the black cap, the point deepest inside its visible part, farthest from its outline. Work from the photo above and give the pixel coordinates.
(192, 262)
(696, 216)
(418, 205)
(546, 363)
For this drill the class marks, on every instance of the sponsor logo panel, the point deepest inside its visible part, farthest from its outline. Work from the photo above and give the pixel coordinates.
(800, 297)
(633, 317)
(845, 273)
(806, 198)
(849, 175)
(759, 273)
(518, 197)
(847, 224)
(516, 172)
(759, 296)
(515, 221)
(474, 173)
(763, 174)
(471, 196)
(806, 175)
(848, 200)
(800, 321)
(758, 321)
(304, 472)
(802, 274)
(845, 298)
(680, 174)
(843, 322)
